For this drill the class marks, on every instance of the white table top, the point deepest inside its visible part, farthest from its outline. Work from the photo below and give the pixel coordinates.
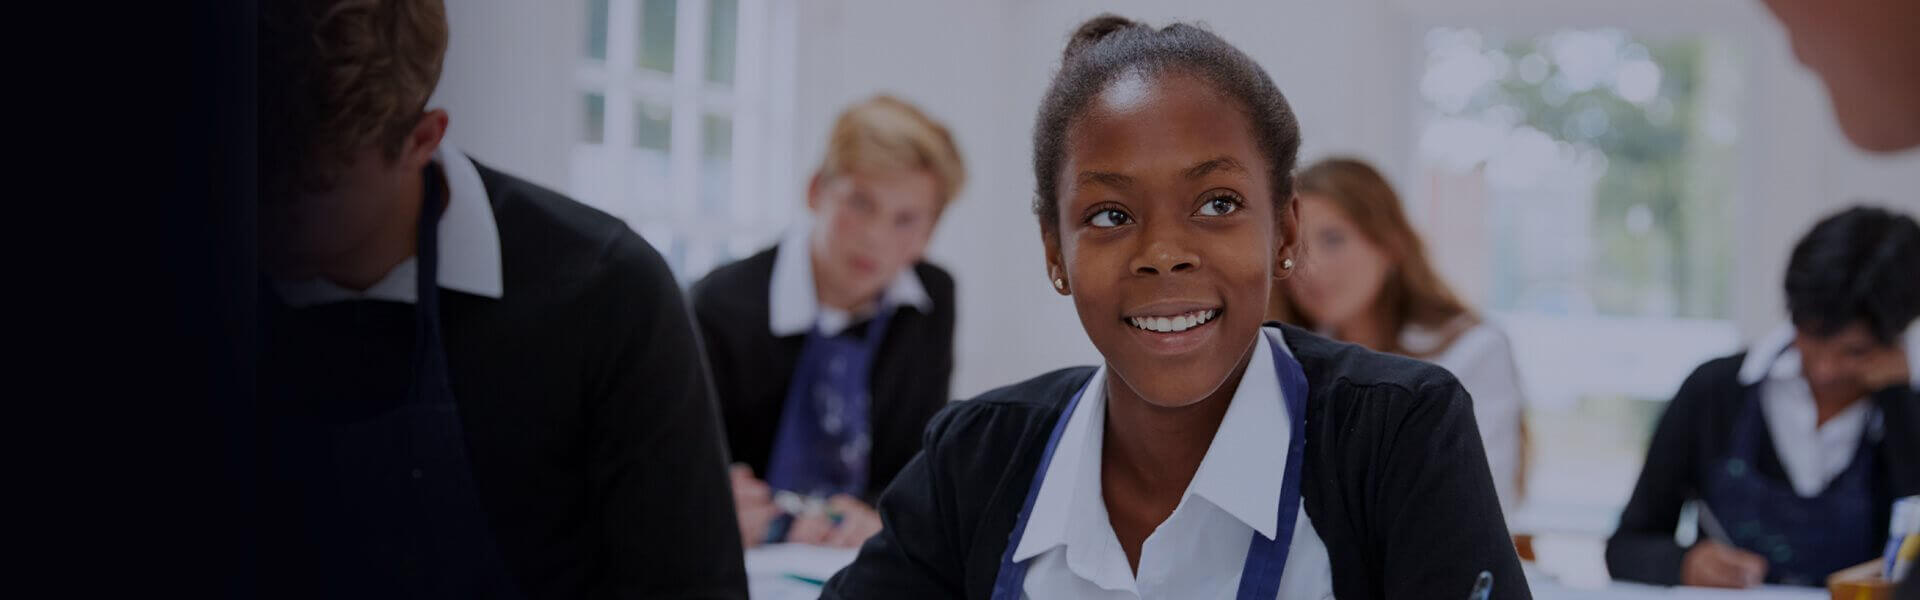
(771, 570)
(1548, 589)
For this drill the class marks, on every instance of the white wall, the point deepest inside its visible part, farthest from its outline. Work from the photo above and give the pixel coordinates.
(507, 84)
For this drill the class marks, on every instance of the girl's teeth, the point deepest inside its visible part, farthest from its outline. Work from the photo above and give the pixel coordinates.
(1175, 323)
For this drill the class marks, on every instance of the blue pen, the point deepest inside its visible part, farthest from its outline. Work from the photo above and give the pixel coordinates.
(1898, 529)
(1482, 587)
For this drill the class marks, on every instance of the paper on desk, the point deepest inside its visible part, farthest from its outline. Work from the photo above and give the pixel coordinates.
(813, 562)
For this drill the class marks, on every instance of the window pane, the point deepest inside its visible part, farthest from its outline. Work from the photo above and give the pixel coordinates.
(652, 126)
(597, 29)
(594, 129)
(1578, 183)
(1601, 160)
(656, 35)
(722, 17)
(716, 163)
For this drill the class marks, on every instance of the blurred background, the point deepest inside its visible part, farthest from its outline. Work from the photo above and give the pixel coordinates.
(1616, 183)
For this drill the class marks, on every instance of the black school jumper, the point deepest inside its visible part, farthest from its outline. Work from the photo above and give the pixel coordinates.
(752, 368)
(1697, 428)
(592, 433)
(1394, 481)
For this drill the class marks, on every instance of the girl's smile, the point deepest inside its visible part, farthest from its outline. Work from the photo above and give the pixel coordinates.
(1174, 327)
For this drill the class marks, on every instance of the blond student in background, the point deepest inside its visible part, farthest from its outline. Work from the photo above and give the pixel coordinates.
(831, 349)
(1367, 281)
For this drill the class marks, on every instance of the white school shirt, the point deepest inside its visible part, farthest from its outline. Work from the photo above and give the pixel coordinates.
(1811, 453)
(469, 257)
(1199, 550)
(793, 305)
(1481, 358)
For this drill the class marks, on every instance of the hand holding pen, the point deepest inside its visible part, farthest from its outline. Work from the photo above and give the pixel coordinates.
(1717, 562)
(841, 521)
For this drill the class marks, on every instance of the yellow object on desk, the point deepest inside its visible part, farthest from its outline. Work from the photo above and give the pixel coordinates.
(1860, 582)
(1909, 552)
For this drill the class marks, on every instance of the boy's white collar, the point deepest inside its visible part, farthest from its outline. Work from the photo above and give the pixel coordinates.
(793, 306)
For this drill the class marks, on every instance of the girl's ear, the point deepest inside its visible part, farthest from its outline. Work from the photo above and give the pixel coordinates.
(1056, 266)
(1288, 252)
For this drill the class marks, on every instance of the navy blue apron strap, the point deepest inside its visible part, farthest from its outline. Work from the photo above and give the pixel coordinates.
(1006, 585)
(429, 355)
(877, 328)
(462, 546)
(1267, 558)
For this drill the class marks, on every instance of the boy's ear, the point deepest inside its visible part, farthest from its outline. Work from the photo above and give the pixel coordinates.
(417, 149)
(813, 192)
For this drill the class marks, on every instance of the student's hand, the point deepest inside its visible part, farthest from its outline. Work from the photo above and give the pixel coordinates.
(857, 522)
(1885, 368)
(1712, 564)
(810, 528)
(753, 504)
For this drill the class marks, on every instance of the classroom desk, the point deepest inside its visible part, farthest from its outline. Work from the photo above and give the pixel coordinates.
(770, 571)
(1547, 589)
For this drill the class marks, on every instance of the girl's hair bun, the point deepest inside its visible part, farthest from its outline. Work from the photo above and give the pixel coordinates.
(1094, 30)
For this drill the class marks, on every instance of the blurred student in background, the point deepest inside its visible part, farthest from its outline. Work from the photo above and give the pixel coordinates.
(832, 349)
(1867, 54)
(471, 387)
(1797, 447)
(1367, 281)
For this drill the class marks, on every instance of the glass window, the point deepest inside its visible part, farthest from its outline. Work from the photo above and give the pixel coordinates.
(656, 35)
(652, 126)
(716, 163)
(593, 130)
(597, 29)
(723, 16)
(657, 146)
(1577, 184)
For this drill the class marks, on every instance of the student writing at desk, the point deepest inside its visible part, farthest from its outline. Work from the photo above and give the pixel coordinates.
(832, 349)
(1209, 456)
(1797, 447)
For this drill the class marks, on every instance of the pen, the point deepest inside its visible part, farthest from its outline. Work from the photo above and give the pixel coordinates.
(1712, 525)
(1903, 527)
(1482, 587)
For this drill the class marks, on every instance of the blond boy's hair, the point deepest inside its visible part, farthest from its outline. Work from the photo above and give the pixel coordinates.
(886, 134)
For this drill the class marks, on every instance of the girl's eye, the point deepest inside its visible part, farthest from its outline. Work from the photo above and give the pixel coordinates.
(1108, 218)
(1219, 206)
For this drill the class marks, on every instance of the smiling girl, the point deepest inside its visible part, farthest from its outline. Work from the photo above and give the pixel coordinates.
(1209, 456)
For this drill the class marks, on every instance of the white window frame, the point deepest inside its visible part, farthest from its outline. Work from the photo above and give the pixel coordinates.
(759, 104)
